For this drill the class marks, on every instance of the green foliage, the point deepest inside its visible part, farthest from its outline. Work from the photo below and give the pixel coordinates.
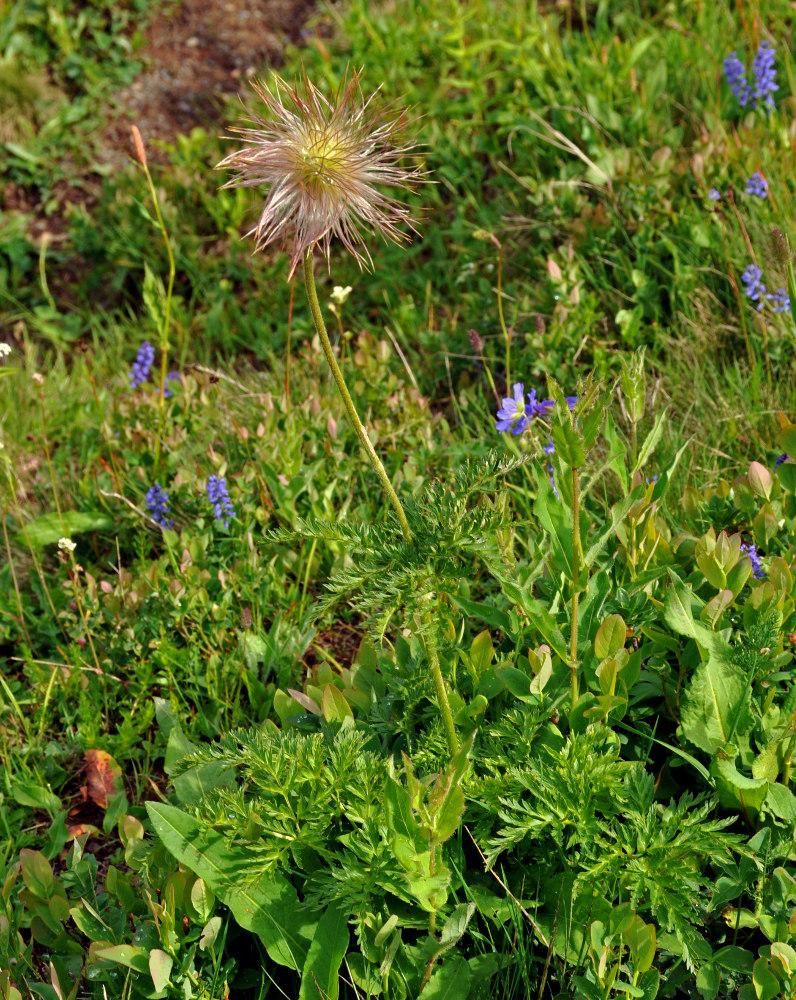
(284, 815)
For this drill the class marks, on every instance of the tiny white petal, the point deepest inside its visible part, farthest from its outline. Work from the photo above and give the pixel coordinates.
(66, 545)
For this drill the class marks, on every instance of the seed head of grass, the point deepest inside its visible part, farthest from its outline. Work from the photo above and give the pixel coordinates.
(324, 162)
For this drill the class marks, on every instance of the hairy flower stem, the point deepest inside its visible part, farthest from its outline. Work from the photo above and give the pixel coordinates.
(348, 402)
(576, 558)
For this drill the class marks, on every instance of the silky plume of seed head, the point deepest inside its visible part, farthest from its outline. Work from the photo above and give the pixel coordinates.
(324, 162)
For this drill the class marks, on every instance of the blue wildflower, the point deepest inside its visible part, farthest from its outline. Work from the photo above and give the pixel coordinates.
(757, 185)
(765, 75)
(157, 500)
(782, 459)
(141, 366)
(714, 194)
(549, 448)
(571, 401)
(171, 377)
(780, 299)
(753, 285)
(735, 75)
(551, 472)
(515, 413)
(757, 565)
(218, 496)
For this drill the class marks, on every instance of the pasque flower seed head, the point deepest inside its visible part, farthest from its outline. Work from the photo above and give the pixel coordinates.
(324, 161)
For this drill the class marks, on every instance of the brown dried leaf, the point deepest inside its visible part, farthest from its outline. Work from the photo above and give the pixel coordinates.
(103, 777)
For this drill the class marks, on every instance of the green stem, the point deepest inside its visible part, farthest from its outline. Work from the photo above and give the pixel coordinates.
(439, 685)
(576, 556)
(786, 765)
(348, 402)
(506, 334)
(164, 333)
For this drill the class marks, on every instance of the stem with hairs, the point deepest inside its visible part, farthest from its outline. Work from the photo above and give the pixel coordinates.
(348, 402)
(392, 496)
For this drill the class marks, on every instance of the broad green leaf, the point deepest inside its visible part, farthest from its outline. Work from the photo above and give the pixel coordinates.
(540, 617)
(48, 528)
(90, 923)
(677, 608)
(125, 954)
(269, 908)
(36, 872)
(210, 933)
(160, 965)
(619, 512)
(481, 652)
(557, 522)
(610, 636)
(715, 608)
(781, 803)
(334, 706)
(650, 983)
(450, 982)
(515, 681)
(650, 442)
(715, 706)
(785, 956)
(766, 983)
(483, 612)
(736, 789)
(640, 938)
(734, 959)
(26, 793)
(203, 900)
(320, 976)
(708, 980)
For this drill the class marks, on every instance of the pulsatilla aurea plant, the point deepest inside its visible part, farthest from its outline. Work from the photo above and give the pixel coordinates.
(324, 162)
(321, 160)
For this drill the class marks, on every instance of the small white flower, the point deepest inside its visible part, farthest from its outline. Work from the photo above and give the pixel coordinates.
(38, 378)
(5, 350)
(340, 294)
(66, 545)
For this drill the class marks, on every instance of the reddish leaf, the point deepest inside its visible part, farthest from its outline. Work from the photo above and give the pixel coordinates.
(103, 778)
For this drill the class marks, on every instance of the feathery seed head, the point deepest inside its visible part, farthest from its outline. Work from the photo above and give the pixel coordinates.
(323, 161)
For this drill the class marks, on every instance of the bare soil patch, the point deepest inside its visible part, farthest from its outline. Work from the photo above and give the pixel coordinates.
(196, 52)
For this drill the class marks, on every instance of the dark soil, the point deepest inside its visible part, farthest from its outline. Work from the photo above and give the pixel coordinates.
(197, 52)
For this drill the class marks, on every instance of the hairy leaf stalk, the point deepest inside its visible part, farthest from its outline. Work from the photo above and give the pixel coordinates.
(348, 402)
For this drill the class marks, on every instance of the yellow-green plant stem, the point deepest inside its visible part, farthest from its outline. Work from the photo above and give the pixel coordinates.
(348, 402)
(164, 333)
(439, 685)
(576, 557)
(392, 496)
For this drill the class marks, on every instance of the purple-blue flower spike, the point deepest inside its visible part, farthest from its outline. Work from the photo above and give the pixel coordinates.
(218, 496)
(735, 75)
(157, 501)
(765, 74)
(753, 285)
(757, 185)
(139, 372)
(757, 565)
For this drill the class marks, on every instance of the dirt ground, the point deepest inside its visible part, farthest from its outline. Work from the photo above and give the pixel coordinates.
(195, 52)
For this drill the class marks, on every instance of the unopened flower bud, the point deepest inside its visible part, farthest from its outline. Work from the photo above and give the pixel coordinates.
(476, 341)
